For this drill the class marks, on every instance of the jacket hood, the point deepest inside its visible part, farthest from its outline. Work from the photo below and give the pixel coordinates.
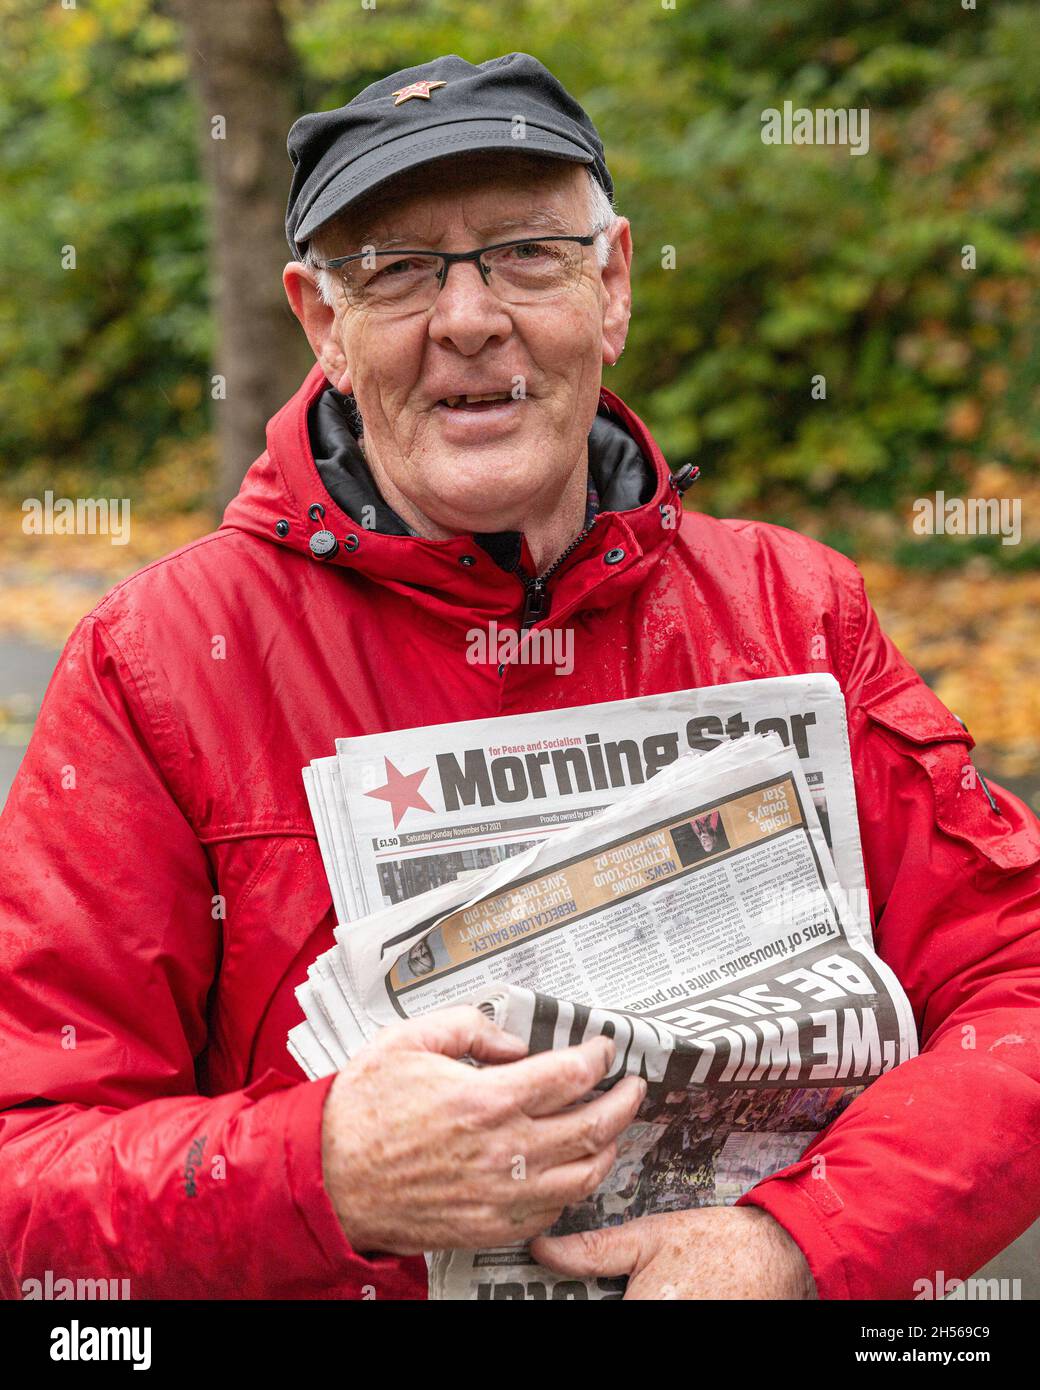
(313, 477)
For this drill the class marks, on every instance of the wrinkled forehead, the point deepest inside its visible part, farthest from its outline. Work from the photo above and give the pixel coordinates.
(489, 198)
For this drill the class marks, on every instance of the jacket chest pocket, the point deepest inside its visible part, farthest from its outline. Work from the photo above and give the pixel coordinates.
(920, 727)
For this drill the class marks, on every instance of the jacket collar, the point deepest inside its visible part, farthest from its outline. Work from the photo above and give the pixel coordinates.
(313, 462)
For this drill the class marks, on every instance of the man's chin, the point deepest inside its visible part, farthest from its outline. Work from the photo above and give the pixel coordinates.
(491, 492)
(458, 518)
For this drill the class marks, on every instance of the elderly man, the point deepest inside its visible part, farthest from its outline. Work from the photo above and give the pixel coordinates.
(451, 461)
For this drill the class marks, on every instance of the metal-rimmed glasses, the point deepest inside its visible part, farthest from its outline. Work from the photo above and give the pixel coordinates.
(524, 271)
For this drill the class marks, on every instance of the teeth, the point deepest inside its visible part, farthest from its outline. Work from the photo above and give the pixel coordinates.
(472, 400)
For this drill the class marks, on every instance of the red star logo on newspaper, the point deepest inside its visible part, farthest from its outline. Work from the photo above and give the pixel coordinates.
(401, 791)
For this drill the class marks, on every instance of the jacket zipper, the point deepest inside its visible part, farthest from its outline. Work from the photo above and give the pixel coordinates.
(536, 597)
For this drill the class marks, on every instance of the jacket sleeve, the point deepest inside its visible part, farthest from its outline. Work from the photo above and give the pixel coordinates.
(111, 1164)
(936, 1166)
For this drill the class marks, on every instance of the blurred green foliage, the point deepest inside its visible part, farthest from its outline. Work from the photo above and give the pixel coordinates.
(790, 261)
(104, 361)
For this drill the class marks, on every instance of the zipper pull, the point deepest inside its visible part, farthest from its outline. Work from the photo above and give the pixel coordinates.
(536, 603)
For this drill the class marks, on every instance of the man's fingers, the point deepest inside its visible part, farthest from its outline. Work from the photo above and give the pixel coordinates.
(587, 1129)
(573, 1182)
(550, 1081)
(493, 1044)
(460, 1031)
(610, 1250)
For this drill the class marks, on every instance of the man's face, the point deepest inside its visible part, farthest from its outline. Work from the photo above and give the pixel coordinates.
(484, 468)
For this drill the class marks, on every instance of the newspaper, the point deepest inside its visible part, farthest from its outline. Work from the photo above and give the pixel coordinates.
(398, 813)
(700, 920)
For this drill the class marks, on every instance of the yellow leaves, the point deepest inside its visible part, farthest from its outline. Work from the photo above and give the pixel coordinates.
(49, 582)
(964, 419)
(995, 378)
(973, 633)
(187, 393)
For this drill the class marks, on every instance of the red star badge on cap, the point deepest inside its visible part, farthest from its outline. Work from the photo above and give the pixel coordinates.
(402, 792)
(416, 89)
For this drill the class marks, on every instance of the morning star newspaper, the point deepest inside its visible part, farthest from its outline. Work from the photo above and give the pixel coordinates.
(399, 813)
(700, 920)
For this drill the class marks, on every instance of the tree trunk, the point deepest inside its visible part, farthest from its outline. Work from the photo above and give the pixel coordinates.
(245, 75)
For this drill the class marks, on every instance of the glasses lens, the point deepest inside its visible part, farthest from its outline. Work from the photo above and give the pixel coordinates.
(385, 280)
(534, 269)
(388, 282)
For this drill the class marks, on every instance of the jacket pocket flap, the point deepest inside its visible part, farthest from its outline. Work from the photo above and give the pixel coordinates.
(926, 729)
(916, 713)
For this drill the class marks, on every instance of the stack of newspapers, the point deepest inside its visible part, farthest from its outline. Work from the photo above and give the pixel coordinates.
(681, 872)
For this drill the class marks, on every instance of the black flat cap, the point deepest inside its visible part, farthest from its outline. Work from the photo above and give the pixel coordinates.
(421, 114)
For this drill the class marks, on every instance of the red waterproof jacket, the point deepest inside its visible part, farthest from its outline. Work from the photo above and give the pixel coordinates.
(163, 891)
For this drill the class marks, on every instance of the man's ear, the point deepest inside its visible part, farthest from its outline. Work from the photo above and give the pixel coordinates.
(319, 323)
(617, 286)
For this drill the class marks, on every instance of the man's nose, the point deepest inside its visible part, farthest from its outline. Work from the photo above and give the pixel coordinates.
(467, 313)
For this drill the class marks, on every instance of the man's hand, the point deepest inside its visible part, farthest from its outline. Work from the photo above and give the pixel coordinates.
(711, 1252)
(422, 1152)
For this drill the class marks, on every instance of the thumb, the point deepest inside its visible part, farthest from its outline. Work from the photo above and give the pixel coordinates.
(460, 1031)
(610, 1250)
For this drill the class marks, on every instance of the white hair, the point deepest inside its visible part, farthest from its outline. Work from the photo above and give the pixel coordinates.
(602, 217)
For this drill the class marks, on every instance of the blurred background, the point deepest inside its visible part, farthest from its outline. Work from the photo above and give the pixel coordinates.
(145, 339)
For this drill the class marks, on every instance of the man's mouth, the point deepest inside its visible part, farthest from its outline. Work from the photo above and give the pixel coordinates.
(486, 401)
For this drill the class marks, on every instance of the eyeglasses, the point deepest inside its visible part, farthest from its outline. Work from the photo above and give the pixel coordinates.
(407, 282)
